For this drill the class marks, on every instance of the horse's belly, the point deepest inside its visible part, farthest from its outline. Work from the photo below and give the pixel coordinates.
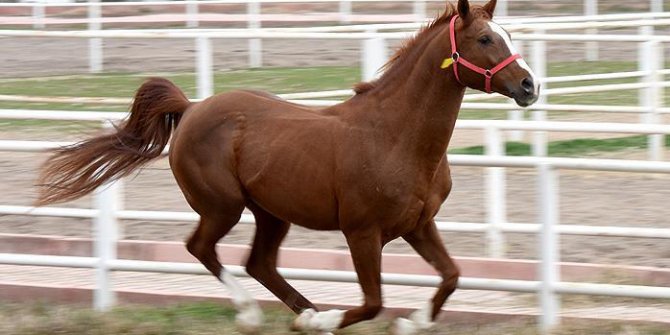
(305, 206)
(300, 194)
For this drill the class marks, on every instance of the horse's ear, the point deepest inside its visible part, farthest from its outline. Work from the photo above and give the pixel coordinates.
(490, 7)
(464, 10)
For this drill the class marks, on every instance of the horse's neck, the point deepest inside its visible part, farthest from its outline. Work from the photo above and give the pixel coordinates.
(431, 106)
(418, 109)
(415, 103)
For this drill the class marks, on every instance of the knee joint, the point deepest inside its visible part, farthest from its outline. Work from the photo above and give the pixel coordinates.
(197, 249)
(254, 269)
(191, 247)
(450, 279)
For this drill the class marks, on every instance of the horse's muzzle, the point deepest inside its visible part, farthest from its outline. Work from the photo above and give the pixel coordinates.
(527, 93)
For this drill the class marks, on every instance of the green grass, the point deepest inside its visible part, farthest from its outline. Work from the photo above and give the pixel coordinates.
(122, 85)
(280, 80)
(556, 69)
(210, 318)
(568, 148)
(289, 80)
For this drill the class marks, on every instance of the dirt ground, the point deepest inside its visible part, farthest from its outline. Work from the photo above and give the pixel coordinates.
(34, 56)
(586, 198)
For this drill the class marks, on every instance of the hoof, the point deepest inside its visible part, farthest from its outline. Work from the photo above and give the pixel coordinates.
(402, 326)
(249, 320)
(301, 323)
(318, 323)
(417, 323)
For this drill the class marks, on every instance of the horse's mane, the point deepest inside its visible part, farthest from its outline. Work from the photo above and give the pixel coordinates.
(402, 53)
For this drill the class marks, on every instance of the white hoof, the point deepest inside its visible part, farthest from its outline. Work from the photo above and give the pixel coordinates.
(250, 319)
(302, 321)
(403, 326)
(418, 322)
(322, 323)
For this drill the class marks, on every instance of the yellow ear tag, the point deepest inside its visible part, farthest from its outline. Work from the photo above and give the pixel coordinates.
(447, 63)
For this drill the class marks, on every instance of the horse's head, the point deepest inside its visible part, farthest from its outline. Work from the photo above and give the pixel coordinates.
(482, 55)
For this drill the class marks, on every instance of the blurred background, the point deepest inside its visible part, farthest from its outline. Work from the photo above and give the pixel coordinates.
(67, 67)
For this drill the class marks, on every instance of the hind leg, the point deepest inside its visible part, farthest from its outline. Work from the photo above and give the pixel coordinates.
(202, 245)
(218, 198)
(202, 159)
(427, 242)
(262, 262)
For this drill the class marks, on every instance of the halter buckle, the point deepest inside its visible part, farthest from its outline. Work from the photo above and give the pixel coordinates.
(455, 56)
(488, 74)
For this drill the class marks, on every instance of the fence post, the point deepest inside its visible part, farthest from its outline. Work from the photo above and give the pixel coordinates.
(550, 302)
(591, 9)
(539, 56)
(192, 14)
(95, 43)
(420, 10)
(255, 44)
(516, 114)
(107, 201)
(205, 78)
(495, 194)
(656, 6)
(653, 95)
(643, 65)
(374, 56)
(502, 8)
(345, 11)
(38, 14)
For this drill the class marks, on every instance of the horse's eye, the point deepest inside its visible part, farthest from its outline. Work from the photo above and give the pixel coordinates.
(484, 40)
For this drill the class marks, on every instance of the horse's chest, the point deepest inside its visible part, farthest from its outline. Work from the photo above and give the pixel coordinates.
(390, 203)
(399, 203)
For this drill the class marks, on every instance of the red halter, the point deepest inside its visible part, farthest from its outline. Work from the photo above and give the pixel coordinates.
(457, 59)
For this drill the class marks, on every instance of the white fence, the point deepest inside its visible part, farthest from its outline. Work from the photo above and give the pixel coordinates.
(107, 212)
(253, 16)
(254, 20)
(651, 71)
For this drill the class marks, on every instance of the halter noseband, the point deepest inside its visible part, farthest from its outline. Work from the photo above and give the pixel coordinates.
(456, 59)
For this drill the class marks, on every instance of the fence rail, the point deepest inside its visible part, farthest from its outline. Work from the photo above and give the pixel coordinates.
(106, 211)
(255, 34)
(192, 11)
(549, 288)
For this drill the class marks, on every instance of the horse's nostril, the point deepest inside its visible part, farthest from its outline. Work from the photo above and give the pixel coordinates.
(528, 85)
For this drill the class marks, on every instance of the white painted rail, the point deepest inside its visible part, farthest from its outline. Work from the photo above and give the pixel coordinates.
(192, 14)
(550, 287)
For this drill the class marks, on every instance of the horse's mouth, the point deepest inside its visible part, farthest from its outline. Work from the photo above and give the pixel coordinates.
(525, 98)
(526, 101)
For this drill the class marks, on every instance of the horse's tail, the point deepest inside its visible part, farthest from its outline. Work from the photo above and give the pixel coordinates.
(77, 170)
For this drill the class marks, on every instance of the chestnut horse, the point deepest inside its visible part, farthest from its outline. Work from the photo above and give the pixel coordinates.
(373, 167)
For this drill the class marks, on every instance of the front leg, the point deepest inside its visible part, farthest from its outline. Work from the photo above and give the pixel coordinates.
(427, 242)
(366, 252)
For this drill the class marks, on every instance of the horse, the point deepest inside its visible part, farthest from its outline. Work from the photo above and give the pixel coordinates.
(373, 167)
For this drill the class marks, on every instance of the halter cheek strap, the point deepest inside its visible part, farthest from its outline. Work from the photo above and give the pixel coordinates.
(456, 59)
